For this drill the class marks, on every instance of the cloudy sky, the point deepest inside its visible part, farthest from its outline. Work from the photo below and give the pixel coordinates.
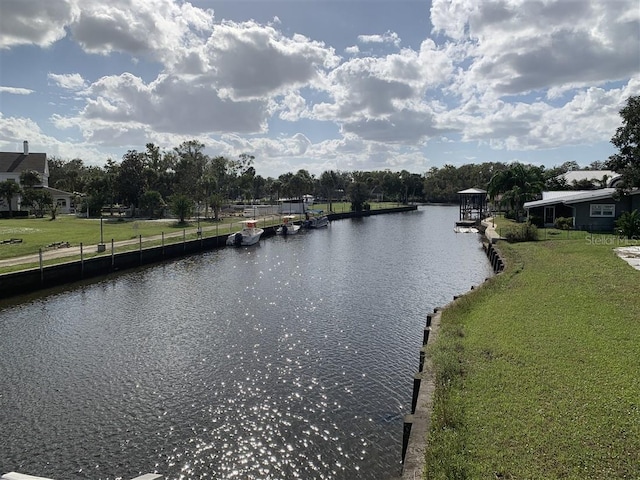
(320, 84)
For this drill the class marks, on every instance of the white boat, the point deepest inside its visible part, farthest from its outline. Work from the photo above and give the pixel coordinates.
(316, 220)
(288, 227)
(459, 229)
(249, 235)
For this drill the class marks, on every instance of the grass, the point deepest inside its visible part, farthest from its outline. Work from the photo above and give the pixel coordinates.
(40, 233)
(37, 233)
(538, 370)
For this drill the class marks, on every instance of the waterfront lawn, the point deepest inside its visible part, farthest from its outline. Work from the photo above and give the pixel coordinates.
(342, 207)
(36, 233)
(538, 370)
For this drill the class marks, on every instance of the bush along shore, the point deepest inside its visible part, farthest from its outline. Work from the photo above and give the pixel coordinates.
(536, 371)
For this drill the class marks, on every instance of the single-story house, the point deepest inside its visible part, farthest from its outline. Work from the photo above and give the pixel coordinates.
(593, 210)
(12, 164)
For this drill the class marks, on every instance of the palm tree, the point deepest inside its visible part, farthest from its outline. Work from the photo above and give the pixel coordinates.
(516, 185)
(8, 190)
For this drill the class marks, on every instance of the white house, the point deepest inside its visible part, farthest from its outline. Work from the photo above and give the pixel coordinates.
(12, 164)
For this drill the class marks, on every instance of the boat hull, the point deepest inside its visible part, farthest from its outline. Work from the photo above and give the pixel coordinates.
(317, 222)
(288, 230)
(245, 239)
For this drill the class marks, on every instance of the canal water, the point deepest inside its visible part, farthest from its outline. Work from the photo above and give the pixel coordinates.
(290, 359)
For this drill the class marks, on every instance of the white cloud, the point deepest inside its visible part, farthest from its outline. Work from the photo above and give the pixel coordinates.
(68, 81)
(32, 22)
(248, 61)
(352, 50)
(510, 74)
(388, 37)
(157, 29)
(519, 46)
(170, 104)
(16, 90)
(587, 118)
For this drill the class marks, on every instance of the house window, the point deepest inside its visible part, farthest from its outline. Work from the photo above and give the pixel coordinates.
(62, 202)
(603, 210)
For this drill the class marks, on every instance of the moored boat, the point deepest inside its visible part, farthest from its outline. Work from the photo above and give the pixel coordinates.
(315, 219)
(249, 235)
(288, 227)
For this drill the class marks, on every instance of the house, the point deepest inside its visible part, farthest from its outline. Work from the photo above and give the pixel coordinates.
(597, 178)
(12, 164)
(592, 210)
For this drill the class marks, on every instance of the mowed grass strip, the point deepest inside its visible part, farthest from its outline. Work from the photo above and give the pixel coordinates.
(539, 369)
(36, 233)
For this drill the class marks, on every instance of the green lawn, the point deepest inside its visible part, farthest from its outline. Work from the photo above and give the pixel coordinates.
(539, 370)
(40, 233)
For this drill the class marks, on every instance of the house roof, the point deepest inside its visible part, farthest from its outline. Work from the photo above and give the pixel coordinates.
(561, 193)
(18, 162)
(470, 191)
(591, 176)
(571, 197)
(56, 191)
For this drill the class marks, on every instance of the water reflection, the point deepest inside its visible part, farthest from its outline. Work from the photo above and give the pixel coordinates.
(289, 359)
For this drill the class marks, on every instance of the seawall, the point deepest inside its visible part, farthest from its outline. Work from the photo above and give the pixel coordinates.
(34, 279)
(417, 423)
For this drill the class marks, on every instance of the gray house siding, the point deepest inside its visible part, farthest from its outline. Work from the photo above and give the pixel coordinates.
(583, 220)
(547, 215)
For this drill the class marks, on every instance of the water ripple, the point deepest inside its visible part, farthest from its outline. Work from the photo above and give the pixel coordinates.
(290, 359)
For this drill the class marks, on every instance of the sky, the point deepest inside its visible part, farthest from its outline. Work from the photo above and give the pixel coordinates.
(320, 84)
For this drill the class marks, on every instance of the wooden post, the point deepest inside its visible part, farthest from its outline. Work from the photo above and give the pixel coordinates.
(41, 267)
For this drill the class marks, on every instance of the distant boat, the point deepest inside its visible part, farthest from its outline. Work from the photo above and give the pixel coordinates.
(461, 229)
(288, 227)
(249, 235)
(315, 219)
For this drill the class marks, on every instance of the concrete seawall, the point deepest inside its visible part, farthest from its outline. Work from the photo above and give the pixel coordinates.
(418, 422)
(31, 280)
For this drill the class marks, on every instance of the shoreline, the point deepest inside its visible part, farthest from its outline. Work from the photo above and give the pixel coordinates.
(418, 423)
(27, 281)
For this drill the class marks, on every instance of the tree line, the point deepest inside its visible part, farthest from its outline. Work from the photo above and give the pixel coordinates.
(148, 181)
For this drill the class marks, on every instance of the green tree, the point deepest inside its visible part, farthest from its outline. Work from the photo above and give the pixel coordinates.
(181, 206)
(190, 169)
(38, 200)
(131, 178)
(358, 194)
(151, 203)
(32, 198)
(215, 201)
(111, 172)
(67, 175)
(300, 184)
(516, 185)
(328, 181)
(628, 225)
(8, 190)
(30, 178)
(627, 139)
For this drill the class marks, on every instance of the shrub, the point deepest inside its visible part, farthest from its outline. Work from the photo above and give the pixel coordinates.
(628, 225)
(536, 220)
(564, 223)
(521, 233)
(510, 214)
